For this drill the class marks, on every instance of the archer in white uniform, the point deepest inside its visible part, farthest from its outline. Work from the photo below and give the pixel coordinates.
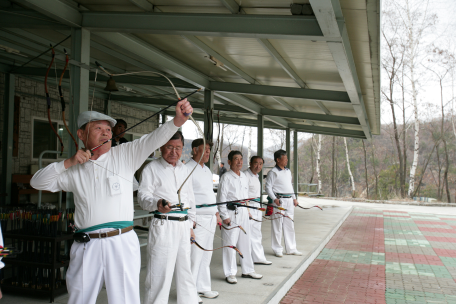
(234, 185)
(280, 190)
(256, 238)
(103, 198)
(206, 218)
(171, 229)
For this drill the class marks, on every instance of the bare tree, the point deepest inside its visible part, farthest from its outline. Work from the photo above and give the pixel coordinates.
(392, 63)
(352, 181)
(320, 139)
(441, 67)
(416, 23)
(365, 168)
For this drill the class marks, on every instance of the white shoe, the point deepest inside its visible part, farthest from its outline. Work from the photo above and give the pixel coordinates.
(263, 263)
(279, 254)
(231, 279)
(295, 253)
(252, 275)
(200, 301)
(209, 294)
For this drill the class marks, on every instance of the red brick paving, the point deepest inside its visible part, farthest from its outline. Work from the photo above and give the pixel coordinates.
(328, 281)
(440, 239)
(445, 252)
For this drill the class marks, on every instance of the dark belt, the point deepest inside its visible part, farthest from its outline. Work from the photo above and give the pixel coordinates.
(171, 218)
(284, 196)
(233, 206)
(110, 233)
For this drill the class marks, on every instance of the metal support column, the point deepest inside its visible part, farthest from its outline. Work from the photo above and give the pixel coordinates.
(7, 138)
(208, 125)
(80, 51)
(295, 161)
(260, 127)
(108, 107)
(288, 145)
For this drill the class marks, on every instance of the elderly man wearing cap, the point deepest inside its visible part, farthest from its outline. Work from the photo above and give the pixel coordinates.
(206, 217)
(108, 248)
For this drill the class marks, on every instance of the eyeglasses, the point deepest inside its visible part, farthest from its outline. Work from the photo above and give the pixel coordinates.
(171, 148)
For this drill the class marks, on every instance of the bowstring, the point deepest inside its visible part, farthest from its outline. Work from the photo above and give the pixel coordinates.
(178, 97)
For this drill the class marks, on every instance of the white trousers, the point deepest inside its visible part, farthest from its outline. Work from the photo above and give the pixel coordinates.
(115, 261)
(169, 254)
(201, 260)
(256, 237)
(282, 224)
(239, 239)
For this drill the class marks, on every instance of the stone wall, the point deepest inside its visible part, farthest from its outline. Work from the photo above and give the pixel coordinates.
(33, 104)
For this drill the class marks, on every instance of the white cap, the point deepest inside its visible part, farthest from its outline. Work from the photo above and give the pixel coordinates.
(88, 116)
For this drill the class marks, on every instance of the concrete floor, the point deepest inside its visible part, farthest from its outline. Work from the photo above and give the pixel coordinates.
(313, 228)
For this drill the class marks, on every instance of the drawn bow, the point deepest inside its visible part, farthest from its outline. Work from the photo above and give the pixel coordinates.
(62, 100)
(48, 99)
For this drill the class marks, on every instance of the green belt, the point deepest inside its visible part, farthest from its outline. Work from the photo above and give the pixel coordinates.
(113, 225)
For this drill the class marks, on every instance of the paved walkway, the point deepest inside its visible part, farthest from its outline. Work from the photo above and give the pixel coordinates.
(384, 256)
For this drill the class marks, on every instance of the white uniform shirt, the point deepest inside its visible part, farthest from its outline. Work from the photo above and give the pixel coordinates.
(232, 187)
(279, 181)
(254, 184)
(161, 180)
(202, 187)
(100, 196)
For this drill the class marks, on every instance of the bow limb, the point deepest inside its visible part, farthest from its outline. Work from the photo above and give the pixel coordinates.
(309, 207)
(192, 240)
(62, 100)
(48, 99)
(197, 164)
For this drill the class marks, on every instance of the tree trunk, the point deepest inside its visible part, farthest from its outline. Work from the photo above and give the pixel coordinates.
(312, 158)
(416, 150)
(352, 181)
(318, 163)
(375, 171)
(365, 168)
(333, 184)
(424, 169)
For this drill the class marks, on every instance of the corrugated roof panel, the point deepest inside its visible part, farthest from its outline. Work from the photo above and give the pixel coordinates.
(194, 9)
(353, 4)
(302, 49)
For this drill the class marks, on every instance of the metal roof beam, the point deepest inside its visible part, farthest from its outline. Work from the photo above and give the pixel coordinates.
(14, 18)
(255, 89)
(311, 116)
(244, 26)
(139, 80)
(56, 10)
(327, 131)
(167, 102)
(332, 23)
